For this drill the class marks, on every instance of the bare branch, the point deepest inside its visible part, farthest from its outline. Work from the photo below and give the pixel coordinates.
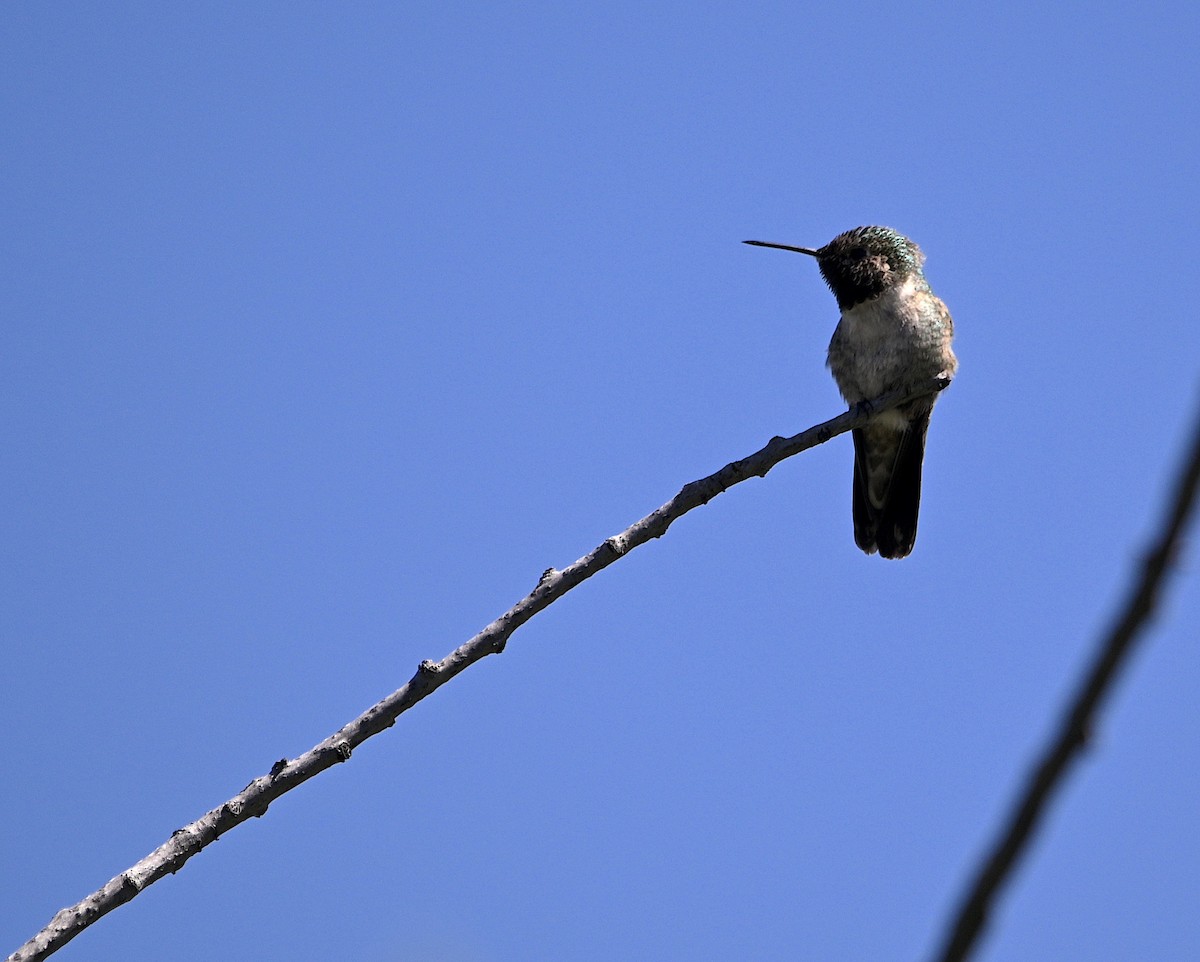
(285, 775)
(1077, 722)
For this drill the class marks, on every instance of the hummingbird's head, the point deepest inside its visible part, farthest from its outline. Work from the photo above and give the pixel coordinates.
(863, 263)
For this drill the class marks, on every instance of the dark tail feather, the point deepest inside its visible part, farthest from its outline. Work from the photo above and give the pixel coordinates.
(864, 517)
(897, 531)
(891, 529)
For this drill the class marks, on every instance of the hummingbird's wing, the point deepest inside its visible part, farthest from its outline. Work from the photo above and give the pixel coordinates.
(887, 480)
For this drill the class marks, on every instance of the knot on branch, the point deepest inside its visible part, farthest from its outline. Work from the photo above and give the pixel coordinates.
(704, 490)
(617, 544)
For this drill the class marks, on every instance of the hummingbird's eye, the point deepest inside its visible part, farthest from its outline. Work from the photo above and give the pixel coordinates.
(857, 253)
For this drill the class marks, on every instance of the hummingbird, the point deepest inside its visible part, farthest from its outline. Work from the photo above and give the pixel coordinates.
(893, 333)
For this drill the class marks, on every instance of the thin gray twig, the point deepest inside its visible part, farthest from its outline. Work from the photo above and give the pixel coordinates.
(286, 774)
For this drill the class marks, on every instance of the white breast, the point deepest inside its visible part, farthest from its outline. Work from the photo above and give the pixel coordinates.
(876, 345)
(881, 318)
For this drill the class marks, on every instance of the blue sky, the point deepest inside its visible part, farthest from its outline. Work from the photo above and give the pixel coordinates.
(327, 328)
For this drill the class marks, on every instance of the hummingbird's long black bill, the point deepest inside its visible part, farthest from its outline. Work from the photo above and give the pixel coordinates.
(784, 247)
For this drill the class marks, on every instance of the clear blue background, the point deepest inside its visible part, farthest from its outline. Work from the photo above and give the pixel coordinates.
(328, 327)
